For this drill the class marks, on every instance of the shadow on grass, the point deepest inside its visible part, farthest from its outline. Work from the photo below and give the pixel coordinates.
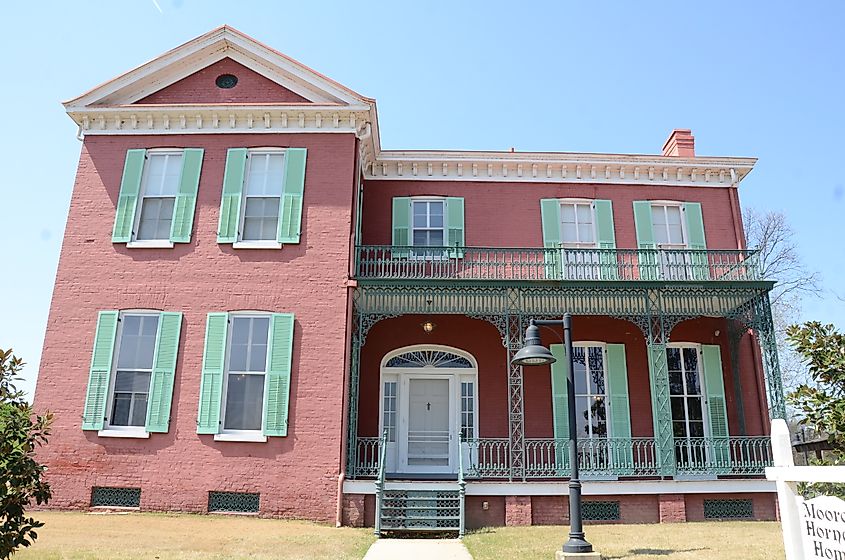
(653, 552)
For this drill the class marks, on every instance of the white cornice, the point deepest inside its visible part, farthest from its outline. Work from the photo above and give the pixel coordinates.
(207, 119)
(549, 167)
(112, 109)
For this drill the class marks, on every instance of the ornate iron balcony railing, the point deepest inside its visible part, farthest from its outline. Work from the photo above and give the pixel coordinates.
(385, 262)
(548, 458)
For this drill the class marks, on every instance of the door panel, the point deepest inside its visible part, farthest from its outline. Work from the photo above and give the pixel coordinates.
(428, 423)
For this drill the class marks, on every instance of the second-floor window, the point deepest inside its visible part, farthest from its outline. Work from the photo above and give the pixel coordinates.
(667, 222)
(427, 228)
(577, 225)
(159, 187)
(263, 186)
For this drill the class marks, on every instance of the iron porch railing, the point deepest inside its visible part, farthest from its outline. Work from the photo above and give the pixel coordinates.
(386, 262)
(547, 458)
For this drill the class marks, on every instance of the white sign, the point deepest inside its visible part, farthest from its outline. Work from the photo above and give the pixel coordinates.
(823, 527)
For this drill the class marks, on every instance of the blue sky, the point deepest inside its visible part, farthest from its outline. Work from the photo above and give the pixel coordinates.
(760, 79)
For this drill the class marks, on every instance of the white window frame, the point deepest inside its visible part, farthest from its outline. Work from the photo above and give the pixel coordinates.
(242, 243)
(576, 202)
(136, 223)
(110, 430)
(705, 419)
(586, 344)
(243, 435)
(425, 252)
(680, 206)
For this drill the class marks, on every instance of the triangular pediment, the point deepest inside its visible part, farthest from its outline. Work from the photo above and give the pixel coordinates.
(187, 74)
(240, 85)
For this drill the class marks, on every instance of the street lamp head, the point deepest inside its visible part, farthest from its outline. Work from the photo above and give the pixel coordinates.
(533, 353)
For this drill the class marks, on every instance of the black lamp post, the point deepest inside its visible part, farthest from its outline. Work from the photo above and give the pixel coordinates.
(533, 353)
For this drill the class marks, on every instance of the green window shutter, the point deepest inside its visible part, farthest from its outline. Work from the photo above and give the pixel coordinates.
(695, 234)
(213, 367)
(606, 239)
(560, 403)
(164, 371)
(550, 216)
(401, 225)
(186, 199)
(94, 413)
(127, 200)
(278, 375)
(290, 220)
(455, 225)
(649, 267)
(230, 202)
(620, 410)
(711, 356)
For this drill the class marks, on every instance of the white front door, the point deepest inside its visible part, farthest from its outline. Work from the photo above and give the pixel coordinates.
(427, 424)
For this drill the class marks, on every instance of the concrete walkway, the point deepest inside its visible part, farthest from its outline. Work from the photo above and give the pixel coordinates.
(418, 549)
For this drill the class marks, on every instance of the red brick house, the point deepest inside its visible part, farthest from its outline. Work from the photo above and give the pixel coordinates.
(257, 309)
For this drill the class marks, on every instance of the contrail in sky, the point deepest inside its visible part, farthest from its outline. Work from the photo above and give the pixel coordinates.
(155, 3)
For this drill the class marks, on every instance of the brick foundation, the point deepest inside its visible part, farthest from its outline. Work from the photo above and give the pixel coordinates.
(672, 508)
(517, 511)
(353, 510)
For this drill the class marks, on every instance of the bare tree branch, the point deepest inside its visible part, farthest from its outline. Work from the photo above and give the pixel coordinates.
(780, 261)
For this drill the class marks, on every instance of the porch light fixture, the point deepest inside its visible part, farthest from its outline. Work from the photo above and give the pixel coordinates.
(427, 327)
(533, 353)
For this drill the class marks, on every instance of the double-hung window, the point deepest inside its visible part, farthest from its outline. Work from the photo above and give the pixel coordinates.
(427, 227)
(261, 203)
(246, 375)
(263, 186)
(159, 187)
(246, 369)
(670, 237)
(579, 239)
(686, 394)
(427, 224)
(133, 366)
(158, 193)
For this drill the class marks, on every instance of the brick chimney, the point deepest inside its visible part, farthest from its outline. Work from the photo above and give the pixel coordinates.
(681, 143)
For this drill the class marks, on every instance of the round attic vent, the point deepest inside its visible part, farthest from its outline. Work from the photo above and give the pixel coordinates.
(226, 81)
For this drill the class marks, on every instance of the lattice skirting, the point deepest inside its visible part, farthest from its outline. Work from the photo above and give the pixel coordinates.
(233, 502)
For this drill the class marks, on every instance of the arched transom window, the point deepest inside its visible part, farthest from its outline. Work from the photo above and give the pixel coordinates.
(429, 358)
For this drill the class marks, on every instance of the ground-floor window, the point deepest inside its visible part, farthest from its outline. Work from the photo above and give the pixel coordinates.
(687, 401)
(590, 391)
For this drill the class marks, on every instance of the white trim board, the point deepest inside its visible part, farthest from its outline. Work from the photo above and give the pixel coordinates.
(589, 488)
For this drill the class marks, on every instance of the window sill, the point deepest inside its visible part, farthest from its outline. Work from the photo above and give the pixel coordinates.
(150, 244)
(134, 434)
(257, 437)
(257, 245)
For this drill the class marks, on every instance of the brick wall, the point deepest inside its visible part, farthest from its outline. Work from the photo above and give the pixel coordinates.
(508, 214)
(200, 87)
(295, 475)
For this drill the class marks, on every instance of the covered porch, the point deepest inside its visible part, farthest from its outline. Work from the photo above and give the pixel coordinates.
(478, 418)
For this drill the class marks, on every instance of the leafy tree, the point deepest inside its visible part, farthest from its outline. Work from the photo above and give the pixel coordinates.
(822, 404)
(21, 476)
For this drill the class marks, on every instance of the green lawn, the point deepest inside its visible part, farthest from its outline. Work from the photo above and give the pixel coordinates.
(150, 536)
(683, 541)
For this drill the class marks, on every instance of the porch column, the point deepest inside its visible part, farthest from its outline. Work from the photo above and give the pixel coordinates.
(664, 444)
(354, 375)
(771, 363)
(516, 404)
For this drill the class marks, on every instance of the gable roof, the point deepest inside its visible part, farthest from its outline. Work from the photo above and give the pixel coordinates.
(196, 54)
